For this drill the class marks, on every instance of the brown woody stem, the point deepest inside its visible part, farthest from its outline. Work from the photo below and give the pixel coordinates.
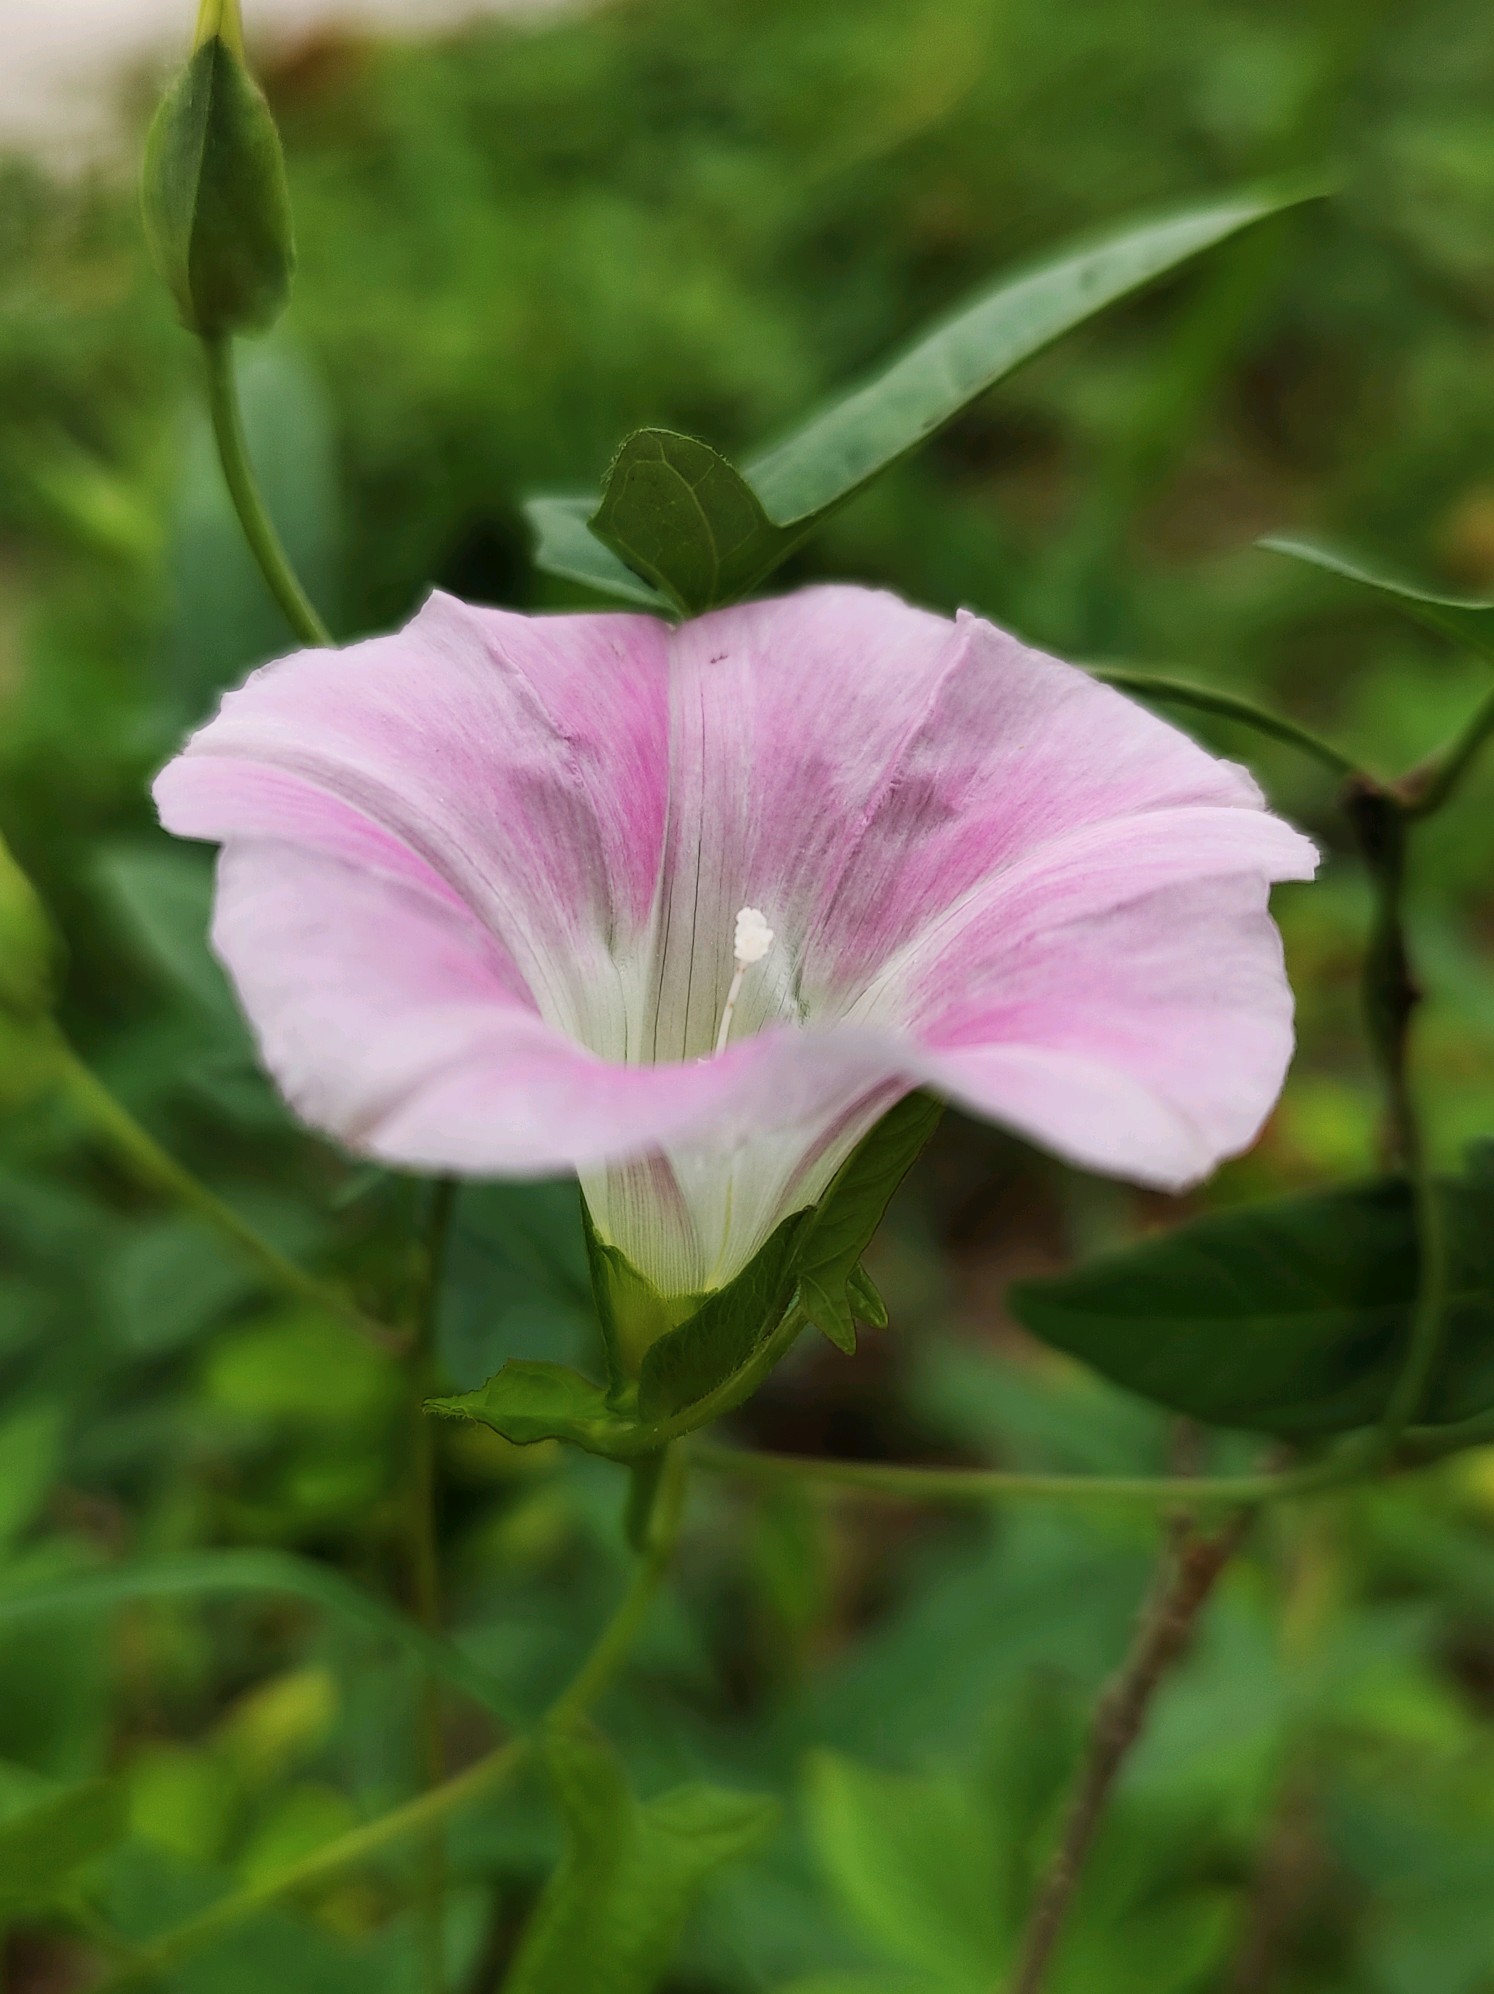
(1189, 1571)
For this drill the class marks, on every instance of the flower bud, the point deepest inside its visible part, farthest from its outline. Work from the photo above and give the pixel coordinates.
(217, 209)
(27, 946)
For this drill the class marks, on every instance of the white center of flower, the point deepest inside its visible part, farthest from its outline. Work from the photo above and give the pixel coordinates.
(752, 941)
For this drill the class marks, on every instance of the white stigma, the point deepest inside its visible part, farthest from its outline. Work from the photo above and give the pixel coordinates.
(752, 941)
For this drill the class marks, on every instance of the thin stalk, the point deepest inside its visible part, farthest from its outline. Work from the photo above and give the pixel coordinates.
(243, 487)
(1408, 1399)
(1229, 706)
(418, 1817)
(414, 1819)
(1427, 788)
(153, 1166)
(983, 1485)
(425, 1566)
(1188, 1574)
(1390, 993)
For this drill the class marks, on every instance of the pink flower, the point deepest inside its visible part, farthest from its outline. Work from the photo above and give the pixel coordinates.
(685, 910)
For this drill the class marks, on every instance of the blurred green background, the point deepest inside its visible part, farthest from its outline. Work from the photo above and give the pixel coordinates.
(708, 213)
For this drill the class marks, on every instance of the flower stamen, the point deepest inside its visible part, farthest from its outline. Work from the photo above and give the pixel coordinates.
(751, 943)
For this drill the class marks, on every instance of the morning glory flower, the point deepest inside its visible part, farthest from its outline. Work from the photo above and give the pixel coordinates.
(684, 910)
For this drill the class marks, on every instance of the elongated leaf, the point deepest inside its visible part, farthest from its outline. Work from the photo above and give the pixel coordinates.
(203, 1574)
(722, 1335)
(566, 546)
(1464, 618)
(612, 1914)
(681, 517)
(833, 1289)
(42, 1849)
(708, 533)
(1289, 1317)
(839, 451)
(530, 1400)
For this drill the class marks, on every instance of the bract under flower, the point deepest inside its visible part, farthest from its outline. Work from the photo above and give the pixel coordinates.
(480, 886)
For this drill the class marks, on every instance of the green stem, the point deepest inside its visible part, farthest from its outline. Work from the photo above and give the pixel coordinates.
(421, 1816)
(416, 1818)
(1388, 989)
(1408, 1399)
(259, 528)
(153, 1166)
(1229, 706)
(1428, 787)
(982, 1485)
(425, 1565)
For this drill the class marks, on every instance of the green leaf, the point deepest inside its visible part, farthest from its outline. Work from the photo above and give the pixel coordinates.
(566, 546)
(611, 1916)
(1289, 1317)
(30, 1444)
(204, 1574)
(529, 1400)
(42, 1849)
(833, 1288)
(516, 1280)
(725, 1332)
(681, 517)
(821, 465)
(215, 200)
(27, 945)
(1464, 618)
(915, 1861)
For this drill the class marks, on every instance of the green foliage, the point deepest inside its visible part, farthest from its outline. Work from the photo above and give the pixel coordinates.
(26, 945)
(530, 1400)
(678, 514)
(834, 1289)
(43, 1848)
(519, 245)
(1288, 1318)
(1462, 618)
(611, 1915)
(692, 527)
(217, 209)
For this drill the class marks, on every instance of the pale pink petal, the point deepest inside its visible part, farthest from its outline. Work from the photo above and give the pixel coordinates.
(392, 1021)
(522, 761)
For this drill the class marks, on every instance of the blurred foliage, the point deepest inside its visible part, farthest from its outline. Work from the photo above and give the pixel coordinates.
(514, 247)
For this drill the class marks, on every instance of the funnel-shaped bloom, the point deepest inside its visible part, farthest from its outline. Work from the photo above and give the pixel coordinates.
(685, 910)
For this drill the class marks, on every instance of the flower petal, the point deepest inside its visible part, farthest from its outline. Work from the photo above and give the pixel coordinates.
(522, 761)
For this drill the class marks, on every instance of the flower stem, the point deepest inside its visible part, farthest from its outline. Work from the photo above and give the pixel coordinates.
(259, 529)
(155, 1167)
(429, 1811)
(981, 1485)
(1186, 1577)
(1229, 706)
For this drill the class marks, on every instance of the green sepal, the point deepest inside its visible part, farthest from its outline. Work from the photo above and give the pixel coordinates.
(1467, 619)
(215, 200)
(725, 1332)
(834, 1289)
(43, 1848)
(632, 1312)
(680, 516)
(530, 1400)
(1289, 1317)
(610, 1918)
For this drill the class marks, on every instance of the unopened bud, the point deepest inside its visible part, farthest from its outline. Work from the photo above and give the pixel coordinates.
(217, 209)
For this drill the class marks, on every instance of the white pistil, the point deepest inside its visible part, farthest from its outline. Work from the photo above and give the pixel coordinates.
(752, 941)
